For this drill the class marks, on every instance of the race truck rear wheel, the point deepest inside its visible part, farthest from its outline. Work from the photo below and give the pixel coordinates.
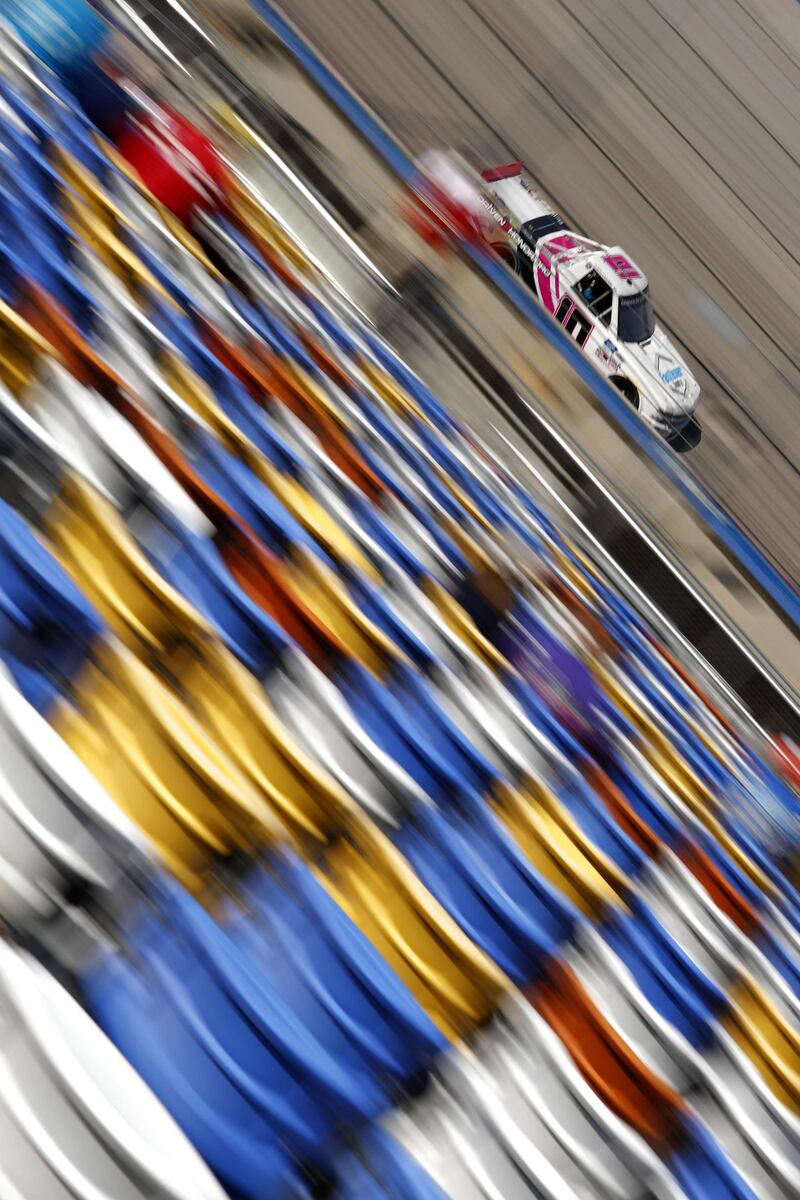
(507, 254)
(628, 389)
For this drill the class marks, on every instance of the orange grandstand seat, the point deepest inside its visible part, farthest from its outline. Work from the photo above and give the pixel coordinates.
(629, 1088)
(727, 898)
(324, 361)
(621, 809)
(264, 375)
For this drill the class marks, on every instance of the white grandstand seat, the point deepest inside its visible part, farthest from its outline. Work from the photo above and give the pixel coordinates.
(34, 461)
(469, 1159)
(417, 539)
(411, 606)
(514, 1114)
(314, 711)
(76, 1121)
(59, 831)
(710, 938)
(758, 1133)
(109, 449)
(614, 990)
(483, 709)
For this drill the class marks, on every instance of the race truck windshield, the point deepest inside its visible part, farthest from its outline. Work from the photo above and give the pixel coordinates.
(636, 321)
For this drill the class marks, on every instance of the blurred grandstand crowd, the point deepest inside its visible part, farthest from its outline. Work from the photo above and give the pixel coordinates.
(339, 793)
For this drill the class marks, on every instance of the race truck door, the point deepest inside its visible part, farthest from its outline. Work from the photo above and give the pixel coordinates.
(557, 263)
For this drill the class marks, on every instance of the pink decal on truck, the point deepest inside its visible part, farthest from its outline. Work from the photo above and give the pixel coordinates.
(543, 286)
(622, 266)
(564, 241)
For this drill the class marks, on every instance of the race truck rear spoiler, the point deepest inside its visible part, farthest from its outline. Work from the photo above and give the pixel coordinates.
(493, 174)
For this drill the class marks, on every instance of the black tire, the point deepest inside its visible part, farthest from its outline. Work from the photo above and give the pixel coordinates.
(507, 254)
(627, 389)
(687, 438)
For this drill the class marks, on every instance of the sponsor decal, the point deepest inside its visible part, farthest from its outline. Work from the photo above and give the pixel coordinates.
(671, 375)
(622, 266)
(610, 347)
(506, 225)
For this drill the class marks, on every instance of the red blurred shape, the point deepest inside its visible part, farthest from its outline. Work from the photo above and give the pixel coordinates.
(174, 160)
(508, 171)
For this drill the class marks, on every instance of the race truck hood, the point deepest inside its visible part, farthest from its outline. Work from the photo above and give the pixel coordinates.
(663, 373)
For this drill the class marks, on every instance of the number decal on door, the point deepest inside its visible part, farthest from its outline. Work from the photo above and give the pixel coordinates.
(575, 323)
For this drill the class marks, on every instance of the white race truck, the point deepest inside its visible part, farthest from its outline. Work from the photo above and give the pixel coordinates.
(599, 296)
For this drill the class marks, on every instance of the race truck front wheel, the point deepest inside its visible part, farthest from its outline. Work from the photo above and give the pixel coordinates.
(687, 437)
(628, 389)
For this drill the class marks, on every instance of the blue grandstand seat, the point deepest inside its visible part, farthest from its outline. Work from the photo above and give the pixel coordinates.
(204, 1025)
(601, 828)
(379, 1168)
(704, 1171)
(666, 975)
(194, 565)
(330, 974)
(644, 802)
(273, 332)
(247, 1155)
(35, 247)
(422, 740)
(374, 607)
(371, 521)
(47, 625)
(32, 170)
(478, 873)
(249, 497)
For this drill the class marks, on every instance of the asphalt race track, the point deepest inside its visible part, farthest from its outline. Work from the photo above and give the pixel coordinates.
(668, 126)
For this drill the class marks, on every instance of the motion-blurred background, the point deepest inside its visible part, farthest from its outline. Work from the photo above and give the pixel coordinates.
(399, 779)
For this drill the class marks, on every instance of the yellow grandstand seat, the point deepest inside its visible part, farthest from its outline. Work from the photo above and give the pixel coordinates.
(235, 709)
(95, 231)
(559, 849)
(161, 627)
(463, 626)
(454, 981)
(20, 349)
(575, 578)
(390, 391)
(306, 509)
(196, 393)
(468, 505)
(91, 540)
(323, 594)
(768, 1040)
(160, 765)
(317, 395)
(83, 186)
